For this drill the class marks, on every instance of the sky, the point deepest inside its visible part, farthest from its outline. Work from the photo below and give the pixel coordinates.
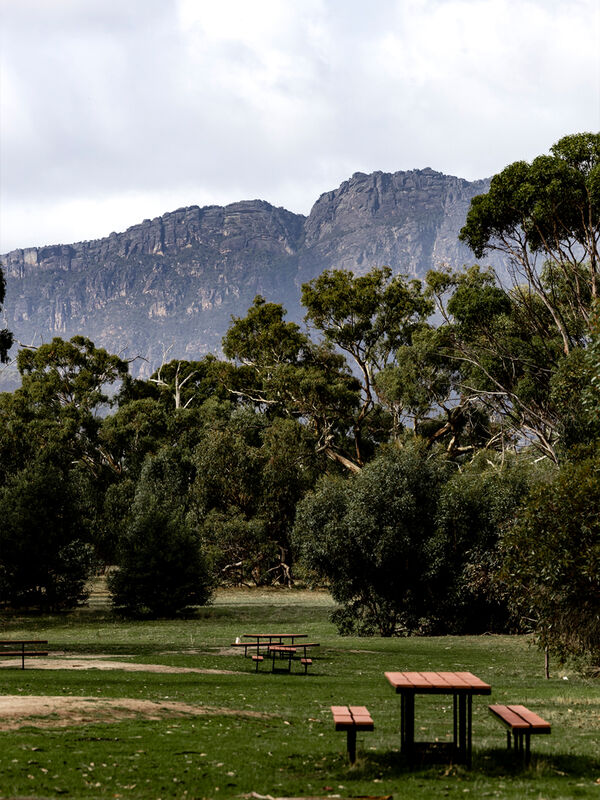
(113, 111)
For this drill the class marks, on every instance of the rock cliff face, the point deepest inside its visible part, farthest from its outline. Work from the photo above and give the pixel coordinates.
(174, 281)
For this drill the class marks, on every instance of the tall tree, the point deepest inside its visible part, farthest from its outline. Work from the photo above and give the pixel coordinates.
(285, 374)
(368, 317)
(545, 218)
(64, 387)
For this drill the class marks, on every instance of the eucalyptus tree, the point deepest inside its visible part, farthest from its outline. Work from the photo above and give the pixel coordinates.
(544, 216)
(368, 317)
(369, 537)
(65, 393)
(279, 370)
(550, 560)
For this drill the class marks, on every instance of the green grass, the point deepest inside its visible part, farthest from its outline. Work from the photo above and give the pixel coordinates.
(293, 751)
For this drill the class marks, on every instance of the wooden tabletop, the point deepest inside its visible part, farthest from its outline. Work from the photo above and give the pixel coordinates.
(275, 635)
(23, 641)
(437, 682)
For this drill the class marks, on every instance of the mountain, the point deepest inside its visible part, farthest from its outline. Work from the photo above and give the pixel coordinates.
(175, 281)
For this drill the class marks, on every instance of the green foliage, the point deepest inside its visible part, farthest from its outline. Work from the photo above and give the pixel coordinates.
(181, 384)
(368, 537)
(368, 317)
(504, 355)
(45, 560)
(250, 474)
(162, 570)
(64, 394)
(475, 505)
(551, 561)
(283, 373)
(548, 210)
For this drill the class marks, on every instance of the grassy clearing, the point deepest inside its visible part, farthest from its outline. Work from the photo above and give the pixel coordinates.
(293, 751)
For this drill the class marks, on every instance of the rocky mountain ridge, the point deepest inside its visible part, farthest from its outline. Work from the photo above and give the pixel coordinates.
(175, 281)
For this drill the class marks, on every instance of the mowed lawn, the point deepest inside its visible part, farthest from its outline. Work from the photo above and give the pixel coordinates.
(289, 748)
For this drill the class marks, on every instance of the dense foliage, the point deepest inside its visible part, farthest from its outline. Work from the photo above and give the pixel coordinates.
(436, 472)
(551, 560)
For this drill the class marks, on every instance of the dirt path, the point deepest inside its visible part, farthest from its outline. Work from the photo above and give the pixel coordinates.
(103, 662)
(18, 711)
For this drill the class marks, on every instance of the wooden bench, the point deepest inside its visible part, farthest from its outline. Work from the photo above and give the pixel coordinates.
(257, 659)
(23, 652)
(351, 719)
(522, 723)
(282, 652)
(248, 646)
(306, 663)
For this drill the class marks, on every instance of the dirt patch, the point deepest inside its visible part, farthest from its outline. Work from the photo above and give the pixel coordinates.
(18, 711)
(96, 662)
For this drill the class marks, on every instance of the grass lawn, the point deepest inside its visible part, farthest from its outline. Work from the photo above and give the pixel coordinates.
(290, 749)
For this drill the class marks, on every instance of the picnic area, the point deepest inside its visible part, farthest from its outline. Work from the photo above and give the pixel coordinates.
(170, 709)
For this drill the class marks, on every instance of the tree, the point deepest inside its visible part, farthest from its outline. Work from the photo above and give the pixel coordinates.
(6, 337)
(551, 561)
(162, 570)
(64, 388)
(475, 505)
(368, 317)
(250, 473)
(505, 358)
(546, 211)
(368, 538)
(285, 374)
(183, 383)
(45, 554)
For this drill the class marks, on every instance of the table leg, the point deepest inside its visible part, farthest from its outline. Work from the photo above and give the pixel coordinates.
(351, 745)
(455, 721)
(462, 726)
(469, 728)
(407, 722)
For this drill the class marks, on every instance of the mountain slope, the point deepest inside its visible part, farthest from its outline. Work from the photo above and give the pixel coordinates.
(174, 281)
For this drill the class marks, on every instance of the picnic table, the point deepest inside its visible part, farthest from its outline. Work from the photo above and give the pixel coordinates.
(274, 638)
(265, 639)
(288, 651)
(16, 647)
(461, 685)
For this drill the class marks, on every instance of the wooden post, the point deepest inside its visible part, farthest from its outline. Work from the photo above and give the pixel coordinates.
(351, 744)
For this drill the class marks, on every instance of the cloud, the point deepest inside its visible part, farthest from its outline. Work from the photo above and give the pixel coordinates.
(116, 111)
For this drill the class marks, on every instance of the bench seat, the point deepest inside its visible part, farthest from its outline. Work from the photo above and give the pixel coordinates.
(352, 719)
(8, 648)
(521, 723)
(21, 652)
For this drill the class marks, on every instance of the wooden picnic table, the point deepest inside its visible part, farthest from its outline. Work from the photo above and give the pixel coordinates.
(269, 638)
(19, 649)
(288, 651)
(461, 685)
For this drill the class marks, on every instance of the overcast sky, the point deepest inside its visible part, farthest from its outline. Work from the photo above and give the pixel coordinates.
(117, 110)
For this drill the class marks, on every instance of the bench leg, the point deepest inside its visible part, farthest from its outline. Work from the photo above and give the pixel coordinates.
(351, 745)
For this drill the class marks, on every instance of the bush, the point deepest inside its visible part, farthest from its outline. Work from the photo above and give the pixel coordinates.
(45, 560)
(475, 504)
(162, 569)
(368, 537)
(552, 561)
